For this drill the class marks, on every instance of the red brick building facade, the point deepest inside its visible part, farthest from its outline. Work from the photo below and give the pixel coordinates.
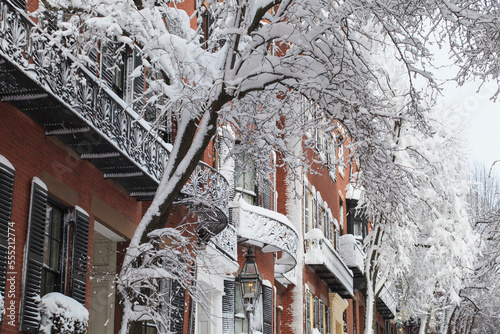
(74, 187)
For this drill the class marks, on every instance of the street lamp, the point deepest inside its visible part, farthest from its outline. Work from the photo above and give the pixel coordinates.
(250, 283)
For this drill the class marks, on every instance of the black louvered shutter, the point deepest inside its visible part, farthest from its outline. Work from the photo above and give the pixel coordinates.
(107, 63)
(138, 85)
(228, 307)
(6, 195)
(21, 4)
(29, 318)
(177, 314)
(81, 242)
(267, 308)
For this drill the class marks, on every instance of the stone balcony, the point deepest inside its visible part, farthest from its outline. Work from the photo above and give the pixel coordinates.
(269, 230)
(328, 264)
(47, 83)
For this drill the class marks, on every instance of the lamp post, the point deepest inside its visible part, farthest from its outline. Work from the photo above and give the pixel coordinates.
(250, 284)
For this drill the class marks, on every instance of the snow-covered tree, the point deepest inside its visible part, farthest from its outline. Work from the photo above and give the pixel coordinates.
(478, 312)
(425, 248)
(251, 64)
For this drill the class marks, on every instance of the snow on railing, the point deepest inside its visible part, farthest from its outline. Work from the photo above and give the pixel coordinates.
(226, 241)
(321, 252)
(351, 252)
(389, 300)
(76, 87)
(270, 228)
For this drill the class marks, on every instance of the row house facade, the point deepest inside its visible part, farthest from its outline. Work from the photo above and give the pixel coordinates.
(78, 169)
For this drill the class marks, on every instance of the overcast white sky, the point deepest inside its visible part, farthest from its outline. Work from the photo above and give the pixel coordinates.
(482, 116)
(482, 119)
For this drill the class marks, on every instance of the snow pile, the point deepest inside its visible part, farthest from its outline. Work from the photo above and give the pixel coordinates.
(62, 314)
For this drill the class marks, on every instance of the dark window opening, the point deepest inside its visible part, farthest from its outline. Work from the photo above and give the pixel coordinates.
(52, 272)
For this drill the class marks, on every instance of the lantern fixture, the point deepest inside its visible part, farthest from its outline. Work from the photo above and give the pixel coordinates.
(250, 280)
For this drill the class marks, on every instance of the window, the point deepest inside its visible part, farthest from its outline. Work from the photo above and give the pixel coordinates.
(114, 64)
(314, 218)
(341, 214)
(340, 153)
(148, 327)
(308, 311)
(45, 262)
(307, 196)
(7, 174)
(245, 178)
(53, 247)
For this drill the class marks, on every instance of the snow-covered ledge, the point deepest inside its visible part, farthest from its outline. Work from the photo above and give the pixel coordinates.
(267, 229)
(320, 255)
(62, 314)
(351, 253)
(387, 303)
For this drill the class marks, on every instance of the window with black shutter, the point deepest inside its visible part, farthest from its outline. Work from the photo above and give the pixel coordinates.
(138, 86)
(6, 196)
(228, 307)
(308, 312)
(34, 252)
(267, 308)
(306, 209)
(113, 66)
(321, 309)
(316, 312)
(52, 271)
(79, 261)
(177, 314)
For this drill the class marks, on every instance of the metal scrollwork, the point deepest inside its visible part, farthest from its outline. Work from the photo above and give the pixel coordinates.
(226, 241)
(266, 229)
(58, 71)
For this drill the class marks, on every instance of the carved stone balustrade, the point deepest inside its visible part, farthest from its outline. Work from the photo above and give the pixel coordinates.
(327, 263)
(269, 230)
(46, 82)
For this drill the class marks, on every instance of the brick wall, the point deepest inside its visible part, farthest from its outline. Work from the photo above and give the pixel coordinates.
(70, 180)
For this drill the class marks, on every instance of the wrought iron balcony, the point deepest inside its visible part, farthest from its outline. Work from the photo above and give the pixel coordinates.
(226, 242)
(327, 263)
(44, 81)
(387, 304)
(267, 229)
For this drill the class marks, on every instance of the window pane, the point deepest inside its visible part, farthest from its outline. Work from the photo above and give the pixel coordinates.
(56, 223)
(54, 255)
(48, 282)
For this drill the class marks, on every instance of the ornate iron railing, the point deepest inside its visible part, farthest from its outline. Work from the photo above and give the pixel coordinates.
(51, 70)
(269, 228)
(226, 242)
(57, 72)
